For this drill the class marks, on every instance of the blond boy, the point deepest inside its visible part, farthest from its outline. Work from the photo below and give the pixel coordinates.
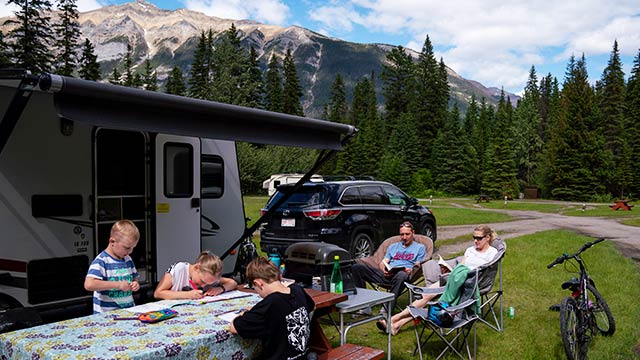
(112, 274)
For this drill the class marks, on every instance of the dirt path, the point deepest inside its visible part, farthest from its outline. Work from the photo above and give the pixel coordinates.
(627, 238)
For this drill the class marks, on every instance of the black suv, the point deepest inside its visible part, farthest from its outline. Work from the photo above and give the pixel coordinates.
(355, 215)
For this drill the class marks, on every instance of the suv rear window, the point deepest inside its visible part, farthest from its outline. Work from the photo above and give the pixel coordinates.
(306, 196)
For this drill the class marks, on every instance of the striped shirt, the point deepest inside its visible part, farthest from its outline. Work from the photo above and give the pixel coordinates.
(107, 268)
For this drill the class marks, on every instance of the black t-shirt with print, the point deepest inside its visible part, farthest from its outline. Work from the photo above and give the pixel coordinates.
(282, 322)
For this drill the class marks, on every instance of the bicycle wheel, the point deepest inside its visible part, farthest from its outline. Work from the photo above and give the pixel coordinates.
(569, 327)
(602, 316)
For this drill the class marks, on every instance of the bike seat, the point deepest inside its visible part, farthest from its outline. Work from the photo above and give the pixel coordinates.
(570, 284)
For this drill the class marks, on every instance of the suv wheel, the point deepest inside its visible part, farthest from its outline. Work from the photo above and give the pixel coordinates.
(362, 246)
(427, 230)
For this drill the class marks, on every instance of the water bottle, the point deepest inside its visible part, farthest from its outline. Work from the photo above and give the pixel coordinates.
(275, 258)
(336, 276)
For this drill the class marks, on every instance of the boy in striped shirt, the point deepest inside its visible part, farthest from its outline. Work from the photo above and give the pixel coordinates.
(112, 274)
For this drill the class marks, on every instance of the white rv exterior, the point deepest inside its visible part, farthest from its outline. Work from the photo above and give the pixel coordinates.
(280, 179)
(83, 155)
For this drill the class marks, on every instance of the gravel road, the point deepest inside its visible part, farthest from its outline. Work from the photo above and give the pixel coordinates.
(627, 238)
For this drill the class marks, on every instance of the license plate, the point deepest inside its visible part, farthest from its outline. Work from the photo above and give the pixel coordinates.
(288, 223)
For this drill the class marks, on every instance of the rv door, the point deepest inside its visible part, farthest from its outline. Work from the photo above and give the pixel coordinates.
(177, 163)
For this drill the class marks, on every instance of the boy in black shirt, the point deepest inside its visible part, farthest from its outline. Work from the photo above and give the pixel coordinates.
(281, 320)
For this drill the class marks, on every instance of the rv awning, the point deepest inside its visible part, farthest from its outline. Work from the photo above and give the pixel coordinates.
(134, 109)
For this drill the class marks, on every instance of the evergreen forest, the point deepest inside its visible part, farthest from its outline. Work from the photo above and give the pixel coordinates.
(564, 139)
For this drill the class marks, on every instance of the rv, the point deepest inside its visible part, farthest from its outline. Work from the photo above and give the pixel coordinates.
(280, 179)
(77, 155)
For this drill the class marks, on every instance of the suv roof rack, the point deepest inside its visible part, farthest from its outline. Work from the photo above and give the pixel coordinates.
(348, 177)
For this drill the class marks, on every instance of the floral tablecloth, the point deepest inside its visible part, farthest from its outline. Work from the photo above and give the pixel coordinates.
(195, 333)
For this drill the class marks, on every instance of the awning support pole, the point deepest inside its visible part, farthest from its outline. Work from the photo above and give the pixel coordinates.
(323, 157)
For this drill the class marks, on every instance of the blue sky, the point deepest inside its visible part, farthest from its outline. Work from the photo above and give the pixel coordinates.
(494, 42)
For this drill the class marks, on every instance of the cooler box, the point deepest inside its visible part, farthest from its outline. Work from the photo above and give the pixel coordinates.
(305, 260)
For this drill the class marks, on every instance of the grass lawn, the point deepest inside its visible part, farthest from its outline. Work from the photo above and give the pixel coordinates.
(531, 288)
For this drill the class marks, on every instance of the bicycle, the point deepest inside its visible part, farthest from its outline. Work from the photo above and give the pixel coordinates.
(585, 313)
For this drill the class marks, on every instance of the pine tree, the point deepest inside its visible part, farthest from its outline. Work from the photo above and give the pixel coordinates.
(175, 82)
(89, 67)
(229, 70)
(30, 39)
(576, 150)
(149, 77)
(337, 111)
(611, 108)
(255, 93)
(632, 124)
(200, 76)
(527, 142)
(5, 54)
(453, 161)
(116, 77)
(292, 91)
(427, 106)
(68, 35)
(397, 83)
(471, 120)
(400, 159)
(499, 177)
(274, 95)
(338, 101)
(128, 77)
(368, 144)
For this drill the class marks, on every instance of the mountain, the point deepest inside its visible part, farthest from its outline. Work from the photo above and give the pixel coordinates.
(169, 37)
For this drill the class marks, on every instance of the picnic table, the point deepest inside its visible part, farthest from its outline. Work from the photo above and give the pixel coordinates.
(483, 197)
(622, 204)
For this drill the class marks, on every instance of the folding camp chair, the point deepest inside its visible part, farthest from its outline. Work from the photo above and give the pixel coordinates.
(491, 302)
(462, 315)
(491, 296)
(416, 274)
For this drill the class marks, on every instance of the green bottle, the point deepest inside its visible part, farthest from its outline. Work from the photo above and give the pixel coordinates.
(336, 276)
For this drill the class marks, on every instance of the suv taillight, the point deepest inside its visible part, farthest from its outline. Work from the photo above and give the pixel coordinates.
(322, 214)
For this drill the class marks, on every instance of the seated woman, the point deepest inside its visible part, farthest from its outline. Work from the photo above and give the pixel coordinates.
(479, 254)
(193, 281)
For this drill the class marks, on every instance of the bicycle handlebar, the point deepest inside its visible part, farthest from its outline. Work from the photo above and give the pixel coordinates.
(565, 257)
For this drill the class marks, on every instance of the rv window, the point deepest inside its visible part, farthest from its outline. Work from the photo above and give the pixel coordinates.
(212, 177)
(178, 170)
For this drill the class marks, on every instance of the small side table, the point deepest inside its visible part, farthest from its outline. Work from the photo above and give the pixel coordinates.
(363, 299)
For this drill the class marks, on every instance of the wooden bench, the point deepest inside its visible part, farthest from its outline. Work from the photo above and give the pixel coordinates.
(352, 352)
(621, 205)
(484, 198)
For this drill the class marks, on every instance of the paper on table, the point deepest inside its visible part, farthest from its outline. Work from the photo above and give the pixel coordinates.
(229, 316)
(155, 306)
(165, 304)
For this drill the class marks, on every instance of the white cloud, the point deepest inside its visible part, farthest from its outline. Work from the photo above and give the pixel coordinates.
(7, 9)
(497, 41)
(265, 11)
(88, 5)
(83, 5)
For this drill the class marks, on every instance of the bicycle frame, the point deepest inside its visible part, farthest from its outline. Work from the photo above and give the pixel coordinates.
(588, 313)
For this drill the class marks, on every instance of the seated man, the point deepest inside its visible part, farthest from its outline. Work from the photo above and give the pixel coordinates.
(395, 267)
(482, 252)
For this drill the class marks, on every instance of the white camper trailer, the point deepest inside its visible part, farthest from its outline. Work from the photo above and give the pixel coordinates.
(280, 179)
(76, 155)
